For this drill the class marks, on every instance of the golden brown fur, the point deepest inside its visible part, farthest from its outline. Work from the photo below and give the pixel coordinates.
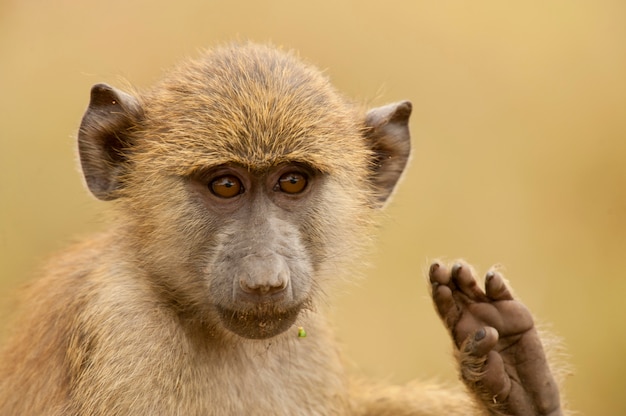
(132, 321)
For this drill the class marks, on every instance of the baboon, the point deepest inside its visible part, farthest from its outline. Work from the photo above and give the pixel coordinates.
(242, 186)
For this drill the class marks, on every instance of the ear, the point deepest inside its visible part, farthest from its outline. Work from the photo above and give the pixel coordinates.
(387, 131)
(104, 139)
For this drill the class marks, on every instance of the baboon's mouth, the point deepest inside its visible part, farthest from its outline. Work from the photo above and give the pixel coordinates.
(258, 323)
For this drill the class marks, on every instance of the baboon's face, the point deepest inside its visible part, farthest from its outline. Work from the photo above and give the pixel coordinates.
(245, 181)
(261, 270)
(251, 245)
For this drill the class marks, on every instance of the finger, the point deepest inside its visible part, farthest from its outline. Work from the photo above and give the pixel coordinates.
(495, 379)
(445, 305)
(461, 275)
(481, 364)
(438, 273)
(495, 288)
(481, 341)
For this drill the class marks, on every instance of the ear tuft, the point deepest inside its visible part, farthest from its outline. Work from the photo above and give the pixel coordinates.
(104, 139)
(389, 138)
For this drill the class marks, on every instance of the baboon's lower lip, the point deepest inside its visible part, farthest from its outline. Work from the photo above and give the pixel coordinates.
(258, 323)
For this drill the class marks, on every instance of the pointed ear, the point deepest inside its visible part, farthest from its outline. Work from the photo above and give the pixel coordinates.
(104, 139)
(387, 132)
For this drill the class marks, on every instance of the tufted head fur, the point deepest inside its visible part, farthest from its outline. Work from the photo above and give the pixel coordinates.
(253, 110)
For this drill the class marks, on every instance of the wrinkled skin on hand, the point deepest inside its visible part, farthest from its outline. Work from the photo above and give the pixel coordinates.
(500, 354)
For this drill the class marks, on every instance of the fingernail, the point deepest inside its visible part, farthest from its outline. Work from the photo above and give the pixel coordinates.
(490, 276)
(480, 334)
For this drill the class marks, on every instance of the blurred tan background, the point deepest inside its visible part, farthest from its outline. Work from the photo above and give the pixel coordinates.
(519, 158)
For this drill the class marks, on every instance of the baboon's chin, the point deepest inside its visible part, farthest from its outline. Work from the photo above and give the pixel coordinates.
(258, 323)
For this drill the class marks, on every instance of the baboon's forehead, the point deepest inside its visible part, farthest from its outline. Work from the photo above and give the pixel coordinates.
(254, 106)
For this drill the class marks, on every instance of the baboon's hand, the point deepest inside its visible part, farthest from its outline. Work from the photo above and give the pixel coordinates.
(500, 354)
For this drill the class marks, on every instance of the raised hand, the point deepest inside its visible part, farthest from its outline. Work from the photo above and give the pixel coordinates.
(500, 355)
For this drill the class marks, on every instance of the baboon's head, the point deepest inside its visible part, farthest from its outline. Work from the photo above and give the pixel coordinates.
(242, 181)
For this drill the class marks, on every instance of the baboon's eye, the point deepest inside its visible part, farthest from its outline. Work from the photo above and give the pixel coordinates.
(292, 182)
(226, 186)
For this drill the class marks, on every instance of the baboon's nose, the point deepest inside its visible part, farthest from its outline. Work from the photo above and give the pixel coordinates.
(264, 276)
(263, 287)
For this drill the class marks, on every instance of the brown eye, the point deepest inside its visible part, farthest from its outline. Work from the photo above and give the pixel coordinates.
(226, 186)
(292, 182)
